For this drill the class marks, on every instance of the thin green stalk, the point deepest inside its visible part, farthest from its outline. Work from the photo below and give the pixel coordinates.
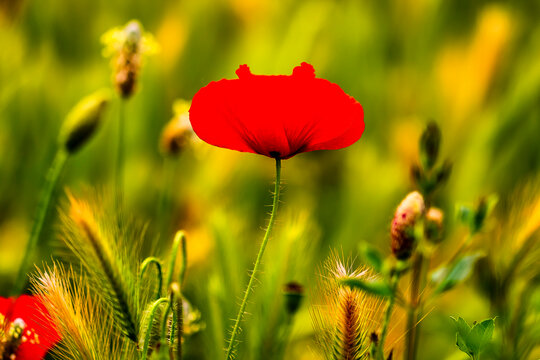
(119, 175)
(177, 325)
(164, 205)
(179, 239)
(249, 289)
(157, 263)
(148, 334)
(388, 315)
(410, 353)
(50, 183)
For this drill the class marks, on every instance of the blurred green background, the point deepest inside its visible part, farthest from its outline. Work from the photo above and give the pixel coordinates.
(472, 66)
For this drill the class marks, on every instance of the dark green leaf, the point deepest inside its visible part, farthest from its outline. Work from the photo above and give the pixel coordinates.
(473, 341)
(371, 256)
(459, 272)
(379, 288)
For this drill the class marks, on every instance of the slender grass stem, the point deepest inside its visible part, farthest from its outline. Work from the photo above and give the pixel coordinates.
(388, 315)
(119, 174)
(164, 205)
(50, 183)
(177, 325)
(179, 240)
(412, 314)
(148, 334)
(148, 261)
(249, 289)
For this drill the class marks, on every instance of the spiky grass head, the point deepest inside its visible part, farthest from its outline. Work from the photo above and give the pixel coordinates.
(81, 318)
(96, 242)
(345, 317)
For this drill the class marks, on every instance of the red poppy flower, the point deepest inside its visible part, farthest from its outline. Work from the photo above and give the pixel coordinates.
(276, 115)
(27, 332)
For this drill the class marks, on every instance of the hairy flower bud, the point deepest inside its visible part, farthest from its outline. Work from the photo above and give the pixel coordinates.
(434, 224)
(294, 293)
(402, 229)
(83, 120)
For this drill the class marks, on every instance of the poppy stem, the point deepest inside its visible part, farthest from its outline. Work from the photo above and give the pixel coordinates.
(249, 289)
(50, 183)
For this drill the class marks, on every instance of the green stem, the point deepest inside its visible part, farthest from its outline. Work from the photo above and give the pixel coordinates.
(388, 314)
(148, 334)
(177, 326)
(179, 239)
(412, 312)
(164, 205)
(249, 289)
(119, 175)
(145, 264)
(50, 183)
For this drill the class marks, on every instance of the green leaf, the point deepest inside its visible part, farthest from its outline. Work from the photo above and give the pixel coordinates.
(379, 288)
(473, 341)
(463, 331)
(371, 256)
(458, 273)
(481, 335)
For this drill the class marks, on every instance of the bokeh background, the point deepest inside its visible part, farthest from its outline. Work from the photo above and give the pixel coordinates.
(473, 67)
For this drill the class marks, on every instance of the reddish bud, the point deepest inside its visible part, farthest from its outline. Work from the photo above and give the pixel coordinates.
(402, 230)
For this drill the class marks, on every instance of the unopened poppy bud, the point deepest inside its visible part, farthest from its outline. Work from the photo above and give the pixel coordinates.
(434, 224)
(294, 293)
(429, 145)
(83, 120)
(178, 132)
(402, 229)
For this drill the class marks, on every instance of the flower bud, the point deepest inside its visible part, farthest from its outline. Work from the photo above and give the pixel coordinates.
(402, 229)
(429, 145)
(434, 224)
(178, 132)
(294, 293)
(83, 120)
(127, 45)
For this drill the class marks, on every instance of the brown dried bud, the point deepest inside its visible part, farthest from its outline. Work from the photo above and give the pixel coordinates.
(402, 229)
(294, 293)
(434, 224)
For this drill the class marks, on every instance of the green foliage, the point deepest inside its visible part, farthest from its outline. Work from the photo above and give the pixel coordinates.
(373, 287)
(475, 217)
(371, 256)
(447, 278)
(473, 340)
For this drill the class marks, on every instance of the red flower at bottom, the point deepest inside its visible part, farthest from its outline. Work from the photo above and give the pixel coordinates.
(276, 115)
(26, 332)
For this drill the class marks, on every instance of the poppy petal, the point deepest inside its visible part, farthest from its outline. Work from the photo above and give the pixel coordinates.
(39, 334)
(276, 115)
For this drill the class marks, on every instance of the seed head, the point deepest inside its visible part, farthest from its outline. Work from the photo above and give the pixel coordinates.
(126, 46)
(402, 229)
